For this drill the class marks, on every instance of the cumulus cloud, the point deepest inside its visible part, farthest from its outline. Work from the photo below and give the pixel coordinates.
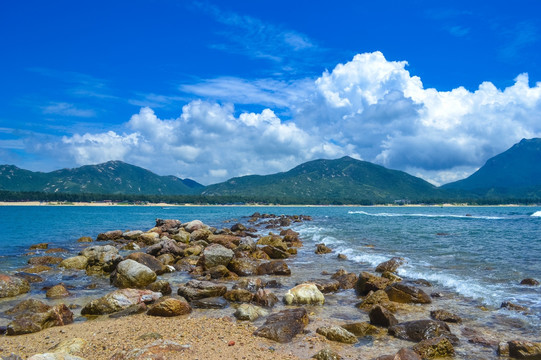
(370, 108)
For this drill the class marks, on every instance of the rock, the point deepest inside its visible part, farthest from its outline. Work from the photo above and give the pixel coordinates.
(327, 354)
(419, 330)
(265, 298)
(55, 356)
(391, 276)
(119, 300)
(158, 350)
(304, 294)
(251, 285)
(12, 286)
(346, 280)
(85, 239)
(437, 347)
(110, 235)
(30, 321)
(284, 325)
(242, 266)
(525, 350)
(194, 250)
(56, 250)
(337, 333)
(239, 295)
(129, 311)
(390, 265)
(514, 307)
(101, 258)
(273, 240)
(276, 267)
(40, 246)
(168, 225)
(326, 285)
(131, 274)
(221, 272)
(444, 315)
(215, 255)
(29, 305)
(503, 349)
(181, 237)
(402, 354)
(529, 282)
(362, 329)
(249, 312)
(195, 290)
(166, 246)
(246, 244)
(149, 238)
(167, 259)
(149, 261)
(74, 263)
(322, 249)
(228, 241)
(35, 269)
(377, 298)
(342, 257)
(201, 234)
(210, 303)
(57, 291)
(132, 235)
(259, 255)
(194, 225)
(368, 282)
(70, 346)
(168, 307)
(238, 227)
(161, 286)
(274, 252)
(31, 278)
(131, 246)
(402, 293)
(45, 260)
(380, 316)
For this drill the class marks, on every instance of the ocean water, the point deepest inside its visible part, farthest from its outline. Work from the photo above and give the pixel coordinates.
(475, 256)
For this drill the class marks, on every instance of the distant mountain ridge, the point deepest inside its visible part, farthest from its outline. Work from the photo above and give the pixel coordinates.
(112, 177)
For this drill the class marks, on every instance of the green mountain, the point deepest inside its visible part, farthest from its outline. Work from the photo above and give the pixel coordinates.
(113, 177)
(344, 180)
(513, 173)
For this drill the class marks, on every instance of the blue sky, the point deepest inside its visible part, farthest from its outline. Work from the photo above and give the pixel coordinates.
(211, 90)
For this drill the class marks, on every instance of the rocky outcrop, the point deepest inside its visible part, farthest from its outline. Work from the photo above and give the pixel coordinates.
(304, 294)
(131, 274)
(119, 300)
(168, 307)
(337, 333)
(284, 325)
(195, 289)
(402, 293)
(12, 286)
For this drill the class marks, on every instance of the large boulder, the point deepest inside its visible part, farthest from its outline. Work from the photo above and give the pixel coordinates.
(131, 274)
(132, 235)
(322, 249)
(119, 300)
(74, 263)
(216, 254)
(249, 312)
(161, 286)
(380, 316)
(346, 280)
(12, 286)
(390, 265)
(377, 298)
(168, 225)
(419, 330)
(195, 290)
(168, 307)
(166, 246)
(403, 293)
(110, 235)
(337, 333)
(276, 267)
(148, 260)
(438, 347)
(228, 241)
(275, 252)
(304, 294)
(194, 225)
(242, 266)
(149, 238)
(284, 325)
(239, 295)
(273, 240)
(34, 316)
(368, 282)
(524, 349)
(101, 258)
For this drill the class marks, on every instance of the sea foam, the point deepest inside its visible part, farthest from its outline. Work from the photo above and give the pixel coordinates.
(428, 215)
(536, 214)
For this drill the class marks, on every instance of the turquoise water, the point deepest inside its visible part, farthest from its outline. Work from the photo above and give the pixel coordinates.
(478, 253)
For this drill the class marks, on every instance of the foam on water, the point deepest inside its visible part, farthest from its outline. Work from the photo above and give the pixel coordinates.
(536, 214)
(427, 215)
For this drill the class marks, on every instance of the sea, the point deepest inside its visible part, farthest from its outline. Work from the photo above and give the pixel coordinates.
(474, 257)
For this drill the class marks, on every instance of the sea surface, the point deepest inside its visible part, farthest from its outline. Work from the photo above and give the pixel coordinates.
(475, 256)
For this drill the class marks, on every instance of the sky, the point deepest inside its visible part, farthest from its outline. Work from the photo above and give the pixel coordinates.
(210, 90)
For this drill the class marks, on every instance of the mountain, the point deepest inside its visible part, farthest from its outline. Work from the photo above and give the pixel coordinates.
(343, 180)
(513, 173)
(113, 177)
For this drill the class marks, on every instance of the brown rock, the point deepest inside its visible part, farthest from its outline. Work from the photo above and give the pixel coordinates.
(29, 321)
(161, 286)
(149, 261)
(525, 349)
(337, 333)
(57, 291)
(12, 286)
(362, 329)
(168, 307)
(84, 239)
(275, 252)
(277, 267)
(390, 265)
(510, 306)
(40, 246)
(110, 235)
(239, 295)
(346, 280)
(284, 325)
(195, 289)
(402, 293)
(529, 282)
(419, 330)
(438, 347)
(368, 282)
(377, 298)
(326, 285)
(380, 316)
(45, 260)
(265, 298)
(160, 349)
(259, 255)
(444, 315)
(242, 266)
(322, 249)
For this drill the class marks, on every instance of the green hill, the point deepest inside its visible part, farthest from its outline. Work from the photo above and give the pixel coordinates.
(113, 177)
(344, 180)
(513, 173)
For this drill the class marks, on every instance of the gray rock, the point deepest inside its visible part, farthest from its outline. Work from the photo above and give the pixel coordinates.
(131, 274)
(249, 312)
(12, 286)
(119, 300)
(216, 254)
(195, 290)
(337, 333)
(419, 330)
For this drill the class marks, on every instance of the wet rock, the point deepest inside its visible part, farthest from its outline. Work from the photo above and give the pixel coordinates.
(259, 255)
(238, 227)
(391, 276)
(368, 282)
(85, 239)
(322, 249)
(402, 293)
(215, 255)
(337, 333)
(161, 286)
(195, 290)
(273, 240)
(149, 238)
(524, 349)
(346, 280)
(45, 260)
(168, 307)
(168, 225)
(265, 298)
(242, 266)
(36, 269)
(362, 329)
(131, 246)
(194, 225)
(304, 294)
(210, 303)
(275, 253)
(221, 272)
(377, 298)
(276, 267)
(201, 234)
(239, 295)
(40, 246)
(514, 307)
(56, 250)
(194, 250)
(31, 278)
(74, 263)
(251, 285)
(166, 259)
(529, 282)
(503, 349)
(12, 286)
(131, 274)
(29, 321)
(228, 241)
(342, 257)
(29, 305)
(419, 330)
(110, 235)
(249, 312)
(149, 261)
(444, 315)
(246, 244)
(119, 300)
(326, 286)
(380, 316)
(101, 258)
(166, 246)
(390, 265)
(160, 349)
(129, 311)
(57, 291)
(438, 347)
(327, 354)
(181, 236)
(284, 325)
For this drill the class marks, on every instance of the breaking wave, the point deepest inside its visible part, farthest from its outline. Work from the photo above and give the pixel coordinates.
(429, 215)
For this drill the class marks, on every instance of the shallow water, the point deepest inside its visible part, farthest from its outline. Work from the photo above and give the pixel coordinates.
(474, 256)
